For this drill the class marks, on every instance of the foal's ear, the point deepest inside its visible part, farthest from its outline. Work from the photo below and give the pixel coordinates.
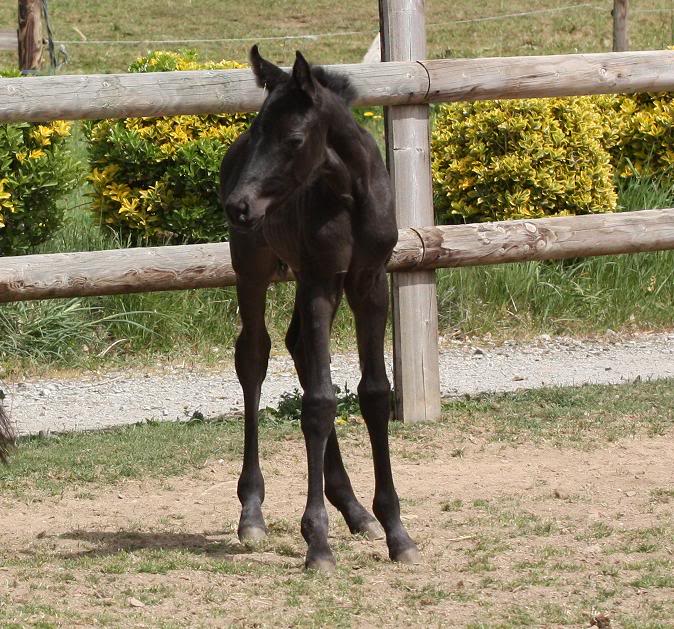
(302, 75)
(267, 74)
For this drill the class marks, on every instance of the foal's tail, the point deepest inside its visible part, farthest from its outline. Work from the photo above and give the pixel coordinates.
(7, 436)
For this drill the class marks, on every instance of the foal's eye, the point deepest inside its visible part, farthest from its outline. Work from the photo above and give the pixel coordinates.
(294, 141)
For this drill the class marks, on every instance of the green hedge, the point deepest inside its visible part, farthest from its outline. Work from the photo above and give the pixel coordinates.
(498, 160)
(36, 170)
(156, 179)
(644, 129)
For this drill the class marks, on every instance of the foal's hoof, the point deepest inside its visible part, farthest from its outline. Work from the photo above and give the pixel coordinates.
(409, 555)
(251, 534)
(371, 530)
(324, 564)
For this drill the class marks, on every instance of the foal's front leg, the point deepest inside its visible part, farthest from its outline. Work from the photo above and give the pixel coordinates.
(251, 358)
(317, 302)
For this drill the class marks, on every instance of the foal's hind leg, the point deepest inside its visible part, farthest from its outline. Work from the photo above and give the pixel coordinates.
(317, 300)
(368, 297)
(338, 489)
(339, 492)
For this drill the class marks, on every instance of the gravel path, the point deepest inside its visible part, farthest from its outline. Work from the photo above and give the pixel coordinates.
(127, 397)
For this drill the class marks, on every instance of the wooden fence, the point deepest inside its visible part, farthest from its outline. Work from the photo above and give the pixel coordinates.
(120, 271)
(405, 86)
(396, 83)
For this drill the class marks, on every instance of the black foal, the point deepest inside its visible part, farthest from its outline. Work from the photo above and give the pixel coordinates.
(306, 187)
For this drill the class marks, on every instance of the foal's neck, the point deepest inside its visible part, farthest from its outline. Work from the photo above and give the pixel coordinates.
(346, 139)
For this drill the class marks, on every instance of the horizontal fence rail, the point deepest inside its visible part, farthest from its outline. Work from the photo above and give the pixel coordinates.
(118, 271)
(393, 83)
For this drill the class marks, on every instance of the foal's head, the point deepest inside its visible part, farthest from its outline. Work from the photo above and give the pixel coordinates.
(288, 137)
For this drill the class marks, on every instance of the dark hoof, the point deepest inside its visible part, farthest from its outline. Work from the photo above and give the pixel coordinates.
(371, 530)
(325, 562)
(251, 534)
(409, 555)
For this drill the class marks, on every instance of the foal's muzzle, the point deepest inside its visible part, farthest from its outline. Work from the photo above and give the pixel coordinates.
(239, 212)
(245, 212)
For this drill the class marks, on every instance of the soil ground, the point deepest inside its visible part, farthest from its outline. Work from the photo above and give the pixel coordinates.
(511, 535)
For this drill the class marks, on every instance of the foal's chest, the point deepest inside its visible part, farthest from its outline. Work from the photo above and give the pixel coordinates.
(315, 240)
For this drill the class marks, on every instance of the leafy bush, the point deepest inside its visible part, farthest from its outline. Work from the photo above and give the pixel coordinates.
(644, 128)
(156, 179)
(498, 160)
(36, 170)
(289, 407)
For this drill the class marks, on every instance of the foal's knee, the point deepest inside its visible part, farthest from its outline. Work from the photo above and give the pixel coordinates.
(252, 353)
(374, 397)
(318, 413)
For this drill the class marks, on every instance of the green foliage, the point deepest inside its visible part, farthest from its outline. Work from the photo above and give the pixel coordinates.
(36, 170)
(644, 124)
(53, 330)
(499, 160)
(289, 407)
(156, 179)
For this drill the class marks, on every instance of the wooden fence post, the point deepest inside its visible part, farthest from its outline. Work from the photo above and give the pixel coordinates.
(30, 35)
(415, 310)
(621, 41)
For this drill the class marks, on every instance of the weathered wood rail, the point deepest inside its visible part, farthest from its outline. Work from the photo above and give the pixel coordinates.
(182, 267)
(394, 83)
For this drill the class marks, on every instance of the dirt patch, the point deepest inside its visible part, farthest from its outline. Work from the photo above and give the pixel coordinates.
(510, 535)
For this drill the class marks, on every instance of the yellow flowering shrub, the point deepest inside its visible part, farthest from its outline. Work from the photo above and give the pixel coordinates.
(500, 160)
(156, 179)
(644, 129)
(36, 171)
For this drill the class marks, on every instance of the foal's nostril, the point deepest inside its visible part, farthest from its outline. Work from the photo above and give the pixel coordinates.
(239, 210)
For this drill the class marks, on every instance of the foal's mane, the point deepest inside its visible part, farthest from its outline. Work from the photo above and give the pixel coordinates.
(335, 82)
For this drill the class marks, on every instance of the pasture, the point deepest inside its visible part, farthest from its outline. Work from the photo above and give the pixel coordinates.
(545, 508)
(454, 29)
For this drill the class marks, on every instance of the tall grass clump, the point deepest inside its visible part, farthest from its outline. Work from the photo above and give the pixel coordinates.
(566, 296)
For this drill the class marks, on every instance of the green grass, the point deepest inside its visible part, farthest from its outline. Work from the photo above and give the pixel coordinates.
(158, 450)
(580, 296)
(580, 30)
(570, 417)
